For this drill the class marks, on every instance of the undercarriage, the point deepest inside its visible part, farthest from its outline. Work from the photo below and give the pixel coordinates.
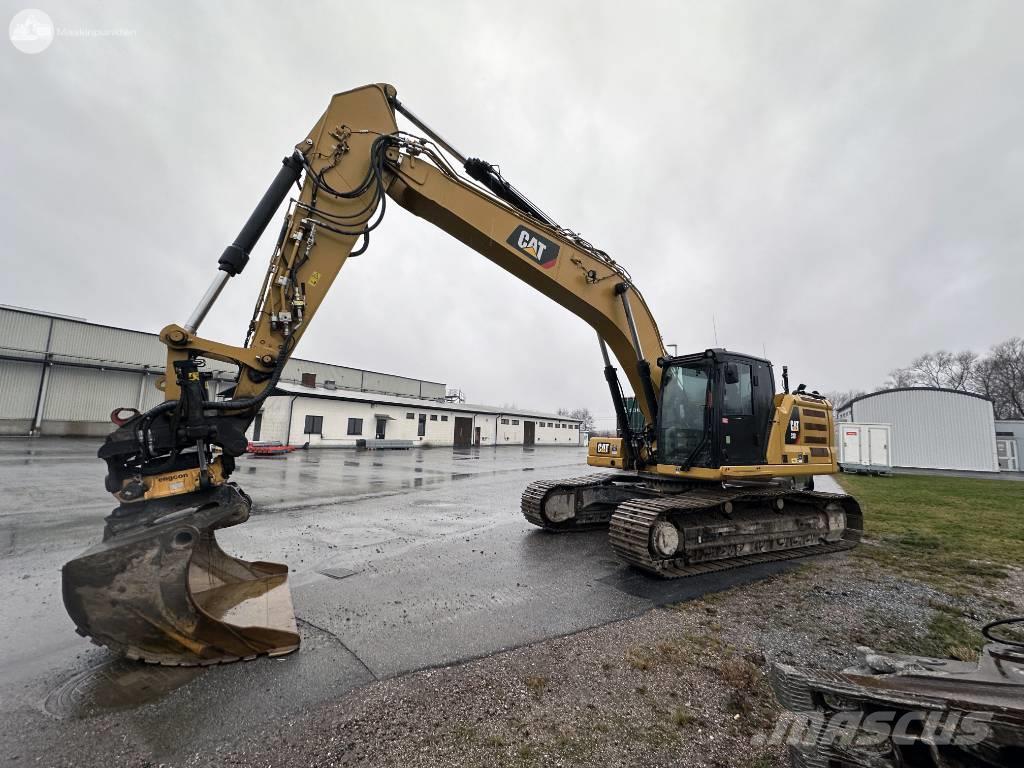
(677, 529)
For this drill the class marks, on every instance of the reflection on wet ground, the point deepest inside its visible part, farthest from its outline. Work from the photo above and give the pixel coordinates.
(398, 560)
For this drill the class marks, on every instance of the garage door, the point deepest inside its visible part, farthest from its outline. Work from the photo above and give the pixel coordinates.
(463, 432)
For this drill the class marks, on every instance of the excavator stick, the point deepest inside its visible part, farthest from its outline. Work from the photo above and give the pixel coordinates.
(160, 589)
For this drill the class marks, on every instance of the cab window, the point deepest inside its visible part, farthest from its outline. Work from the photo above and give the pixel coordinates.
(738, 397)
(686, 395)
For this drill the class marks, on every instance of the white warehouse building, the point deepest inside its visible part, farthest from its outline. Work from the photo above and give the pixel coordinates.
(63, 376)
(931, 428)
(327, 416)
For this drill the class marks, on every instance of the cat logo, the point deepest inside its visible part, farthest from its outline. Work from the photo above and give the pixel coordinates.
(538, 248)
(793, 432)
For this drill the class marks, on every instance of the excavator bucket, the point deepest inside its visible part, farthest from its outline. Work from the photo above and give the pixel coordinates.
(159, 588)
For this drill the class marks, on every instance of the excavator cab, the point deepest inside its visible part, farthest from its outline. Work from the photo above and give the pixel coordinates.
(715, 410)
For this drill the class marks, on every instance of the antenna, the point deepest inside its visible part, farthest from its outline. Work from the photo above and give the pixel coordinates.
(714, 327)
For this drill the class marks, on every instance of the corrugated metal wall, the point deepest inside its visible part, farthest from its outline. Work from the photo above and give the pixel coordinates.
(83, 394)
(22, 334)
(381, 382)
(19, 384)
(84, 343)
(345, 378)
(79, 392)
(933, 429)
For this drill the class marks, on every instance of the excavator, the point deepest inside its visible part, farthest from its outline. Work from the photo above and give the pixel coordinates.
(711, 467)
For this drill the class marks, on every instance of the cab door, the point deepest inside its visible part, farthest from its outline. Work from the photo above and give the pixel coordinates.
(740, 442)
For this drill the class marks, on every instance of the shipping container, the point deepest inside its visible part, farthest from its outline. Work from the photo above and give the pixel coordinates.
(864, 447)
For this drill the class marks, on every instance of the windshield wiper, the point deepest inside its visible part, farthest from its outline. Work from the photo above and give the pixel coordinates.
(685, 466)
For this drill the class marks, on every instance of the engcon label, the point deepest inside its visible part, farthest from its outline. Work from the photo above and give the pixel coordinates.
(537, 247)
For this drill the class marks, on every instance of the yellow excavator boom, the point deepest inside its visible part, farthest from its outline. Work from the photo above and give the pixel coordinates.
(159, 588)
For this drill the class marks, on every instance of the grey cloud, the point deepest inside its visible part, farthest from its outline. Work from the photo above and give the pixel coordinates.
(837, 183)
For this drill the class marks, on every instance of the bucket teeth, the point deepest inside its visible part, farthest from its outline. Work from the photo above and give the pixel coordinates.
(160, 589)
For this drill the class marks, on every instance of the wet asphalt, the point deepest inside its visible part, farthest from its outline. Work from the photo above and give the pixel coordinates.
(399, 560)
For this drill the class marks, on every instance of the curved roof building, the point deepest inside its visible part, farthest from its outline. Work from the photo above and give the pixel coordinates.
(932, 428)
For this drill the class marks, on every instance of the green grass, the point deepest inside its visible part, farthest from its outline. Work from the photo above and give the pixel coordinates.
(950, 636)
(945, 530)
(683, 717)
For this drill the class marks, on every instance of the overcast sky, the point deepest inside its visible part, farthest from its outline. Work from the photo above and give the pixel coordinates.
(839, 184)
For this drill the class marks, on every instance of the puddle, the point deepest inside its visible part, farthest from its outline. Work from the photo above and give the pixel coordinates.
(115, 685)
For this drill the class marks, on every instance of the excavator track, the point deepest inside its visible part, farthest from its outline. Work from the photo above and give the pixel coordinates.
(557, 505)
(713, 529)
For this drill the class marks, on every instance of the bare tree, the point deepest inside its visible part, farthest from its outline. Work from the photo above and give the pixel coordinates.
(961, 367)
(937, 369)
(839, 399)
(1000, 377)
(983, 379)
(583, 415)
(900, 377)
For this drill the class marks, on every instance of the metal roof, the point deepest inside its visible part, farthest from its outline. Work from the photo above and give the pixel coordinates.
(287, 388)
(848, 403)
(79, 342)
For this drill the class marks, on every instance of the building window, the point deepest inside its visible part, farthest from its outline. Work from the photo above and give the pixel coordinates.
(355, 426)
(410, 415)
(421, 429)
(515, 422)
(504, 421)
(433, 417)
(444, 418)
(314, 425)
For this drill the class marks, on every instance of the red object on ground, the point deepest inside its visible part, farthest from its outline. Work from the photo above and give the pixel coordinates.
(270, 449)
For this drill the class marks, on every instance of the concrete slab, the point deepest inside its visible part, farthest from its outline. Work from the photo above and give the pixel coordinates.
(399, 561)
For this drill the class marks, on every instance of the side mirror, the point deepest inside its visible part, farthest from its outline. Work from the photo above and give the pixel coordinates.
(732, 375)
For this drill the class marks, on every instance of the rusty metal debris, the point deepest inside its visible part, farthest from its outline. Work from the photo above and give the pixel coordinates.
(893, 711)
